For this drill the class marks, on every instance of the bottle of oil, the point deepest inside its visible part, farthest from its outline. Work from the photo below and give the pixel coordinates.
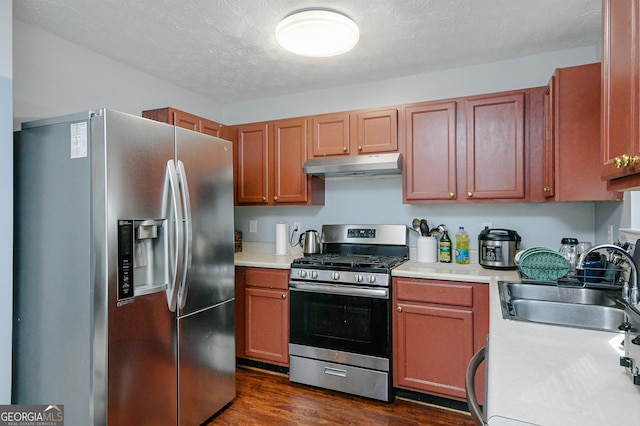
(445, 247)
(462, 246)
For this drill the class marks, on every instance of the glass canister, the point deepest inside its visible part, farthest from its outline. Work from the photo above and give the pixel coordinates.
(569, 248)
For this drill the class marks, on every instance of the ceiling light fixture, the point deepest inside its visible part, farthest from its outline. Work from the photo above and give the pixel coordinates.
(317, 33)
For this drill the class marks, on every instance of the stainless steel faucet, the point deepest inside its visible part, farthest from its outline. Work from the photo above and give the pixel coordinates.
(630, 291)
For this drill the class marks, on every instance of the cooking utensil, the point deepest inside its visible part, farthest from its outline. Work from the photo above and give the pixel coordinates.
(424, 228)
(416, 224)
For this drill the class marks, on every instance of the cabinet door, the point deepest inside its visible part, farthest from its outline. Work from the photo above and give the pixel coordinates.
(267, 325)
(577, 106)
(433, 346)
(186, 120)
(430, 151)
(330, 134)
(495, 147)
(252, 167)
(239, 310)
(210, 128)
(289, 152)
(377, 131)
(620, 86)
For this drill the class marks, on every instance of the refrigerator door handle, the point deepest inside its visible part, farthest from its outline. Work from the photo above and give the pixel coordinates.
(188, 234)
(175, 260)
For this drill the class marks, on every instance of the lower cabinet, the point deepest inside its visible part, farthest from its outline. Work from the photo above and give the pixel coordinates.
(437, 327)
(266, 315)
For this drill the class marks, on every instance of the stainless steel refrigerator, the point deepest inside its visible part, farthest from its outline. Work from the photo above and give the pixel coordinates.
(124, 273)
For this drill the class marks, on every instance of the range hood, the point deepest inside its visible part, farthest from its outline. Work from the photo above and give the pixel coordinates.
(356, 165)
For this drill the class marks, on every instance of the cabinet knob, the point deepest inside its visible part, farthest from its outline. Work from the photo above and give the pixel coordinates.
(275, 198)
(399, 308)
(452, 195)
(625, 160)
(264, 198)
(344, 149)
(284, 296)
(546, 190)
(359, 147)
(470, 194)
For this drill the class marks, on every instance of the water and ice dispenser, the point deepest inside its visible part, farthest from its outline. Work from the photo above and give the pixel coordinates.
(142, 255)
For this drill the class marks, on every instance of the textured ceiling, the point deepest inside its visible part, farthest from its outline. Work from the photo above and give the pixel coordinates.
(226, 49)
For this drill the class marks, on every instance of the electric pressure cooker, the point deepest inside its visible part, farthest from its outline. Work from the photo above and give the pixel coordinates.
(497, 248)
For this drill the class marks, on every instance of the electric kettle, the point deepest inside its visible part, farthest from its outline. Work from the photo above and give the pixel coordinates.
(310, 242)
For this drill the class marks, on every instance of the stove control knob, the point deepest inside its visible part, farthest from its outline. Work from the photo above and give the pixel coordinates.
(314, 274)
(335, 276)
(371, 279)
(302, 273)
(359, 278)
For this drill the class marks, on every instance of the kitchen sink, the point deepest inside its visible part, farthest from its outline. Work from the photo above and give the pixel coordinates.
(564, 306)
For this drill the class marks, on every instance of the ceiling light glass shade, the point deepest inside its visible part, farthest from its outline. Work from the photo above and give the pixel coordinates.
(317, 33)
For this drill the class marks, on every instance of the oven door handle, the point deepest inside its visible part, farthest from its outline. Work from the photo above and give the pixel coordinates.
(380, 293)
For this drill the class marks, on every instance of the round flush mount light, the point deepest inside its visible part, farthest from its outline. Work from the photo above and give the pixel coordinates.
(317, 33)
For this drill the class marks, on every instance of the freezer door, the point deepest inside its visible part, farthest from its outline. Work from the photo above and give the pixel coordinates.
(131, 187)
(207, 363)
(206, 178)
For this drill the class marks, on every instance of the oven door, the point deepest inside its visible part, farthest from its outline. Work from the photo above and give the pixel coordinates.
(342, 318)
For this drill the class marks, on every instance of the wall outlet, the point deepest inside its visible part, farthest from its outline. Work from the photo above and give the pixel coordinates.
(485, 225)
(253, 225)
(297, 226)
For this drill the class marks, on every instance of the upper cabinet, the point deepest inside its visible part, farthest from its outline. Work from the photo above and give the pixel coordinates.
(620, 94)
(269, 158)
(466, 150)
(572, 136)
(185, 120)
(353, 133)
(430, 151)
(495, 146)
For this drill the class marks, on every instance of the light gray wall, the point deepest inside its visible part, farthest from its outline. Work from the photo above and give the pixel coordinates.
(54, 77)
(6, 207)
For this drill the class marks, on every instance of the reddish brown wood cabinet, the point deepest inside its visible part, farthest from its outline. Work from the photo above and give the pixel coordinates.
(269, 159)
(430, 152)
(185, 120)
(495, 148)
(437, 327)
(353, 133)
(572, 136)
(266, 310)
(620, 94)
(330, 134)
(467, 149)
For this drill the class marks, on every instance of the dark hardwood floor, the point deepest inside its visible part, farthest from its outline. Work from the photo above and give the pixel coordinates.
(266, 398)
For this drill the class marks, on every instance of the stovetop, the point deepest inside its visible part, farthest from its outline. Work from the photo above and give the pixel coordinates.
(353, 262)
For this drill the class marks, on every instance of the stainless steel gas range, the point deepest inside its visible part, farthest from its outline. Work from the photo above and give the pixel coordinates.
(340, 310)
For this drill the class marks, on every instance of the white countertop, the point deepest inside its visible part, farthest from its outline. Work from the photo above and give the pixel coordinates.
(538, 374)
(262, 255)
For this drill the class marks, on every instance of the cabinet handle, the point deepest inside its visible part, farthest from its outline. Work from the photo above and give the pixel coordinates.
(470, 194)
(275, 198)
(399, 308)
(264, 198)
(452, 195)
(625, 160)
(344, 149)
(284, 296)
(359, 148)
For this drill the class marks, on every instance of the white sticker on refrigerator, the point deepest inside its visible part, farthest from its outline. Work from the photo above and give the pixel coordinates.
(79, 140)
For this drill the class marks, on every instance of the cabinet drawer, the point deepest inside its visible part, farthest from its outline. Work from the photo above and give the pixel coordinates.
(267, 278)
(440, 292)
